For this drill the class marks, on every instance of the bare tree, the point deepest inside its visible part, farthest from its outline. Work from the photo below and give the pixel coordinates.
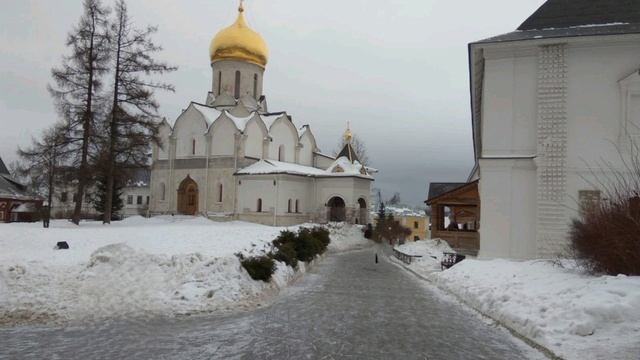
(77, 83)
(359, 147)
(40, 163)
(134, 120)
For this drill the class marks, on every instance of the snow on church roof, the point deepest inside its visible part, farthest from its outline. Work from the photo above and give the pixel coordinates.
(265, 167)
(210, 114)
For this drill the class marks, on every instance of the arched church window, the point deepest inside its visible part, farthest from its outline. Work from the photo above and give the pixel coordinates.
(281, 153)
(163, 192)
(255, 86)
(219, 82)
(289, 207)
(220, 192)
(237, 87)
(193, 147)
(297, 206)
(259, 206)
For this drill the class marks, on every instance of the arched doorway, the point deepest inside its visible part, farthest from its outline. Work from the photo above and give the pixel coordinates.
(362, 215)
(188, 197)
(337, 209)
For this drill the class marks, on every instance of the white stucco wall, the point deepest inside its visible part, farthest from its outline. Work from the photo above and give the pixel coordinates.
(254, 140)
(306, 152)
(284, 133)
(228, 68)
(190, 125)
(223, 137)
(509, 189)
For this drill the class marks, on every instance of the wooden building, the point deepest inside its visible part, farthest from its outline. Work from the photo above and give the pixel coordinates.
(455, 215)
(17, 204)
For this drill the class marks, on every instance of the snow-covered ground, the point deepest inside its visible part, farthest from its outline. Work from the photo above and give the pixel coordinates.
(162, 265)
(575, 315)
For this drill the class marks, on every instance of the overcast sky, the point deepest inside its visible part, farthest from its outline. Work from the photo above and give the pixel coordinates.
(397, 70)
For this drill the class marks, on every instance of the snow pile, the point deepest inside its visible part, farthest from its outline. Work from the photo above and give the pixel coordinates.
(575, 315)
(163, 265)
(345, 237)
(431, 252)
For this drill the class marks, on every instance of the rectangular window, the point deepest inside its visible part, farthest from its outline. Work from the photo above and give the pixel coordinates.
(129, 199)
(589, 200)
(63, 197)
(139, 200)
(147, 200)
(415, 225)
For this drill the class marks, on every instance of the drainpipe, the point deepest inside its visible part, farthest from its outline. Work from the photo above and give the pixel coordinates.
(206, 181)
(275, 209)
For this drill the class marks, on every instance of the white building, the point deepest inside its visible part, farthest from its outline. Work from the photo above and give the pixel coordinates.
(548, 101)
(231, 158)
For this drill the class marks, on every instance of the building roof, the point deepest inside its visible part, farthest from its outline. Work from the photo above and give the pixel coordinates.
(3, 168)
(572, 13)
(340, 168)
(437, 189)
(348, 152)
(140, 177)
(571, 18)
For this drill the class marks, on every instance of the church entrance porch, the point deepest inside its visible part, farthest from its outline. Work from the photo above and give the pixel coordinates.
(188, 197)
(337, 211)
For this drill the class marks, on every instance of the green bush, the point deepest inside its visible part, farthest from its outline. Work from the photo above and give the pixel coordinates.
(302, 246)
(259, 267)
(287, 254)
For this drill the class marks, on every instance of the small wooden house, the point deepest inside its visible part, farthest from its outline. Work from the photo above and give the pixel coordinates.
(455, 215)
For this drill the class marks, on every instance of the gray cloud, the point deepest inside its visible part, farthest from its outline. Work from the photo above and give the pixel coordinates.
(397, 70)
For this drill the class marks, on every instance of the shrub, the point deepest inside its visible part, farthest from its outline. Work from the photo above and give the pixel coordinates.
(607, 237)
(307, 246)
(287, 254)
(321, 234)
(259, 267)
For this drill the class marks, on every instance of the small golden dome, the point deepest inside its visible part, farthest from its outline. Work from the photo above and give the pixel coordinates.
(239, 42)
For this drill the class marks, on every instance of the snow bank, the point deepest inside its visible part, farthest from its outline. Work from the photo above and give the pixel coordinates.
(163, 265)
(575, 315)
(431, 252)
(345, 237)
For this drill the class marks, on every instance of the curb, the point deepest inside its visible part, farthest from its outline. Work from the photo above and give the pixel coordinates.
(544, 350)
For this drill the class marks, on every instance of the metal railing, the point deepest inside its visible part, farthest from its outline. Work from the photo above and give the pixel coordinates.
(405, 258)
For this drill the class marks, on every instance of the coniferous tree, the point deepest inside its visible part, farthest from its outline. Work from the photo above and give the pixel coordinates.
(134, 121)
(379, 231)
(77, 83)
(100, 198)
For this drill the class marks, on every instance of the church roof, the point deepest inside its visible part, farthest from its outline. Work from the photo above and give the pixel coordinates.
(349, 152)
(569, 13)
(272, 167)
(571, 18)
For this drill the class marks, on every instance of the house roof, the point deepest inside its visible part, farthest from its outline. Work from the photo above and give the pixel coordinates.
(272, 167)
(437, 189)
(3, 168)
(571, 18)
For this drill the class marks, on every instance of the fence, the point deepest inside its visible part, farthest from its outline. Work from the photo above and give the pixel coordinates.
(405, 258)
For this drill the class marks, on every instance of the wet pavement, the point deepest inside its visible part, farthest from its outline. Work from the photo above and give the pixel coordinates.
(347, 307)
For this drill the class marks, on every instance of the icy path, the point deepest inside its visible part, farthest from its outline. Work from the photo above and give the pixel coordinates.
(347, 307)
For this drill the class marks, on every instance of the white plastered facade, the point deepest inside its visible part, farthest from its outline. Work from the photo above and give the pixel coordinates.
(546, 111)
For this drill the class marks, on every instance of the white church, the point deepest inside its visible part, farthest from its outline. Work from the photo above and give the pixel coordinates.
(230, 158)
(550, 101)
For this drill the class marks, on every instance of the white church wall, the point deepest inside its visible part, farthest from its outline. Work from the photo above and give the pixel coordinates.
(190, 126)
(283, 133)
(322, 162)
(509, 115)
(160, 187)
(222, 135)
(306, 152)
(254, 141)
(508, 212)
(218, 177)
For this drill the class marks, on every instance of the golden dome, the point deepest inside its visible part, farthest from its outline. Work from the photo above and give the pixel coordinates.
(239, 42)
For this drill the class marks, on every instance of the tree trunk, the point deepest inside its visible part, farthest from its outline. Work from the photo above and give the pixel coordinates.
(86, 132)
(113, 129)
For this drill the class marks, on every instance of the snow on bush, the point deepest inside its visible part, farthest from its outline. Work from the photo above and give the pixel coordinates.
(575, 315)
